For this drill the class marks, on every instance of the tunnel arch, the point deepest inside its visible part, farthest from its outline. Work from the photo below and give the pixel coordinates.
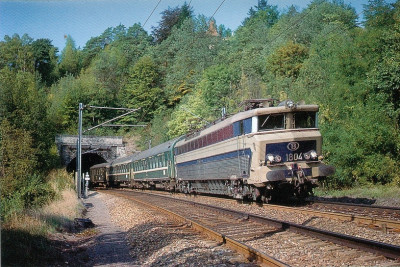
(88, 160)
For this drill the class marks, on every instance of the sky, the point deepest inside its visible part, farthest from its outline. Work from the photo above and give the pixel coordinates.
(55, 19)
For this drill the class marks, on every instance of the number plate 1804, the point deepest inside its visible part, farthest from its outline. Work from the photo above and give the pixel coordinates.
(294, 156)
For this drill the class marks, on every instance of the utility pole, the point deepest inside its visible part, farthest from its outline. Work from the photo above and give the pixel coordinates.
(79, 182)
(79, 153)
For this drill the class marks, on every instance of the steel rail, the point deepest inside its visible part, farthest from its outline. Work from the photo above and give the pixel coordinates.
(387, 250)
(325, 202)
(247, 251)
(383, 223)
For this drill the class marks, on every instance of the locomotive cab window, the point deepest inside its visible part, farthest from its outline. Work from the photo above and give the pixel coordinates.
(305, 119)
(271, 122)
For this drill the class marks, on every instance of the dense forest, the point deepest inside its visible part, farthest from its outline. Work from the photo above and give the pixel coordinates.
(188, 68)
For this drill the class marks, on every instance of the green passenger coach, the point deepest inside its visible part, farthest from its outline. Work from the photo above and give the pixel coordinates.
(154, 167)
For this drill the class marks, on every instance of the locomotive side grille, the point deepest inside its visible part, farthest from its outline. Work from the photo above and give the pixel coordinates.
(223, 166)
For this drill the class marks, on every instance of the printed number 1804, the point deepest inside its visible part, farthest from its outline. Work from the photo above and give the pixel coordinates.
(294, 156)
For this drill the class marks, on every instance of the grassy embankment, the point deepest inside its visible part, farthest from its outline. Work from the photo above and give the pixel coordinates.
(25, 236)
(369, 194)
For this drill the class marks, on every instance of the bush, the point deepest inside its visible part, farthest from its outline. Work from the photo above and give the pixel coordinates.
(11, 205)
(35, 193)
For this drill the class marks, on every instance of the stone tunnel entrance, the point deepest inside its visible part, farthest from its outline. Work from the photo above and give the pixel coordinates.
(95, 150)
(88, 160)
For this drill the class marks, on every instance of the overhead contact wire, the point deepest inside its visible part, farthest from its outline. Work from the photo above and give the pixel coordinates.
(151, 13)
(216, 10)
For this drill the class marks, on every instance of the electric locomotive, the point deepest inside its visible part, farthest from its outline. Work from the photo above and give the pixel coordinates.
(266, 152)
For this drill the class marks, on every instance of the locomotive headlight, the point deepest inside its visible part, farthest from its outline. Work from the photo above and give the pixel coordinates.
(278, 158)
(270, 158)
(307, 156)
(290, 104)
(313, 154)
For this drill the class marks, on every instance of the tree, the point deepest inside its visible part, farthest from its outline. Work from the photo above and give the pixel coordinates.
(170, 18)
(216, 85)
(378, 13)
(110, 69)
(45, 56)
(70, 61)
(191, 114)
(224, 32)
(287, 60)
(183, 57)
(143, 89)
(264, 12)
(16, 53)
(17, 157)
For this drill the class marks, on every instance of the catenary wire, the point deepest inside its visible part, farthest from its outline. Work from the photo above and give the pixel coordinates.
(216, 11)
(151, 13)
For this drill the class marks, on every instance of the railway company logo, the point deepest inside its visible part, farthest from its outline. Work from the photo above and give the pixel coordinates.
(293, 146)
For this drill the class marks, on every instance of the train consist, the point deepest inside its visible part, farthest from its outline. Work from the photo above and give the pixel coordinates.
(265, 152)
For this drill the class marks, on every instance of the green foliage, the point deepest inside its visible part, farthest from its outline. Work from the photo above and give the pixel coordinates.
(45, 55)
(172, 17)
(183, 57)
(287, 60)
(17, 158)
(16, 53)
(378, 13)
(20, 187)
(361, 141)
(142, 90)
(70, 58)
(190, 115)
(24, 104)
(217, 84)
(264, 13)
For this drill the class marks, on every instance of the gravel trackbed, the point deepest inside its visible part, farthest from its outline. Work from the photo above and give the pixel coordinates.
(130, 235)
(111, 247)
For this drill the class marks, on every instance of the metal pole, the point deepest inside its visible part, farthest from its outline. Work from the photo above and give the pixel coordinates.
(80, 181)
(79, 151)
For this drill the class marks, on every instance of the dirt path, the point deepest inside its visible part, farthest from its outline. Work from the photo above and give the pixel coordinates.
(110, 246)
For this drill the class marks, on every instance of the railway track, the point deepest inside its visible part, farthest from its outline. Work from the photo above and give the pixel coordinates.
(385, 219)
(258, 237)
(380, 212)
(382, 218)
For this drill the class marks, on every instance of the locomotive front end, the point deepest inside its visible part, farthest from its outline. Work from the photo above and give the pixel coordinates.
(287, 152)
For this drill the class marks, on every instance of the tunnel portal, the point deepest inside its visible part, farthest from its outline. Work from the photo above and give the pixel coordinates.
(88, 160)
(95, 150)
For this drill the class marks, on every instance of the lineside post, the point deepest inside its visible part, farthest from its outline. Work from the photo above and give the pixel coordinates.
(80, 182)
(79, 153)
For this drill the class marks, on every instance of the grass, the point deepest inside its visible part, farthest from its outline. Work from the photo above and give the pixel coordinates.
(25, 235)
(379, 194)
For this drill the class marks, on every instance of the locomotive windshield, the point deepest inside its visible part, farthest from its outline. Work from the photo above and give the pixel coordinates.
(271, 122)
(305, 119)
(296, 120)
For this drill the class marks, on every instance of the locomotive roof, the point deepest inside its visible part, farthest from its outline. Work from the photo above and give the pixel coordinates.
(248, 114)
